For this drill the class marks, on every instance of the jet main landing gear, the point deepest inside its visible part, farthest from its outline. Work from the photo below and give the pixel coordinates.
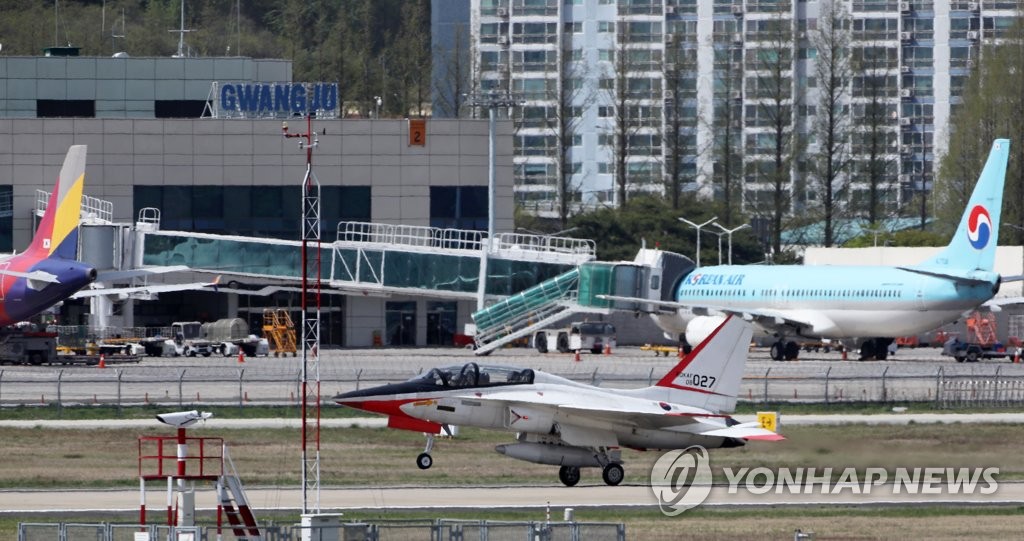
(569, 475)
(613, 474)
(785, 351)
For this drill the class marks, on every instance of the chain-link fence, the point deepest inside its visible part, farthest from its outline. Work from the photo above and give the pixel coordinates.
(947, 386)
(439, 530)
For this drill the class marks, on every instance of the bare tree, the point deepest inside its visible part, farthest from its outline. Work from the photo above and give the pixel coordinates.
(680, 110)
(453, 80)
(771, 88)
(832, 122)
(727, 126)
(993, 105)
(624, 91)
(573, 95)
(874, 138)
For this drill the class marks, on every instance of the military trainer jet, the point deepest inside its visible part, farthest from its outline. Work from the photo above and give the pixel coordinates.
(573, 425)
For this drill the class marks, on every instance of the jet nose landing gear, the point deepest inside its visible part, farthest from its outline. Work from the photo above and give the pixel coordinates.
(424, 461)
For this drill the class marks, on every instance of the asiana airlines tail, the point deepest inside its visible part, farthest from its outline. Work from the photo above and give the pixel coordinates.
(872, 303)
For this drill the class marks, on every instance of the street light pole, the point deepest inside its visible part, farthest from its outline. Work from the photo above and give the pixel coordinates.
(728, 232)
(492, 101)
(698, 227)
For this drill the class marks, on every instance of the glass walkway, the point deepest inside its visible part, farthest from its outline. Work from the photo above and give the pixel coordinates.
(368, 257)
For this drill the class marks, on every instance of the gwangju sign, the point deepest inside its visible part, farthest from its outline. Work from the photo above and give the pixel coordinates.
(274, 100)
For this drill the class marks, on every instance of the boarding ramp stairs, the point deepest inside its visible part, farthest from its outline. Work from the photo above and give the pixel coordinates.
(232, 499)
(654, 275)
(521, 314)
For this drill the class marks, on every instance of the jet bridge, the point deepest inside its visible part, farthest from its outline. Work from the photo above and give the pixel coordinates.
(653, 274)
(369, 258)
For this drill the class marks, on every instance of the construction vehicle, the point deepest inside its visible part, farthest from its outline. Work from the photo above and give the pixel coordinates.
(579, 336)
(279, 330)
(230, 336)
(980, 343)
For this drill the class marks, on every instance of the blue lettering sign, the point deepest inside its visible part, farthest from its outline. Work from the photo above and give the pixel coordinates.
(266, 103)
(298, 98)
(247, 97)
(279, 99)
(227, 97)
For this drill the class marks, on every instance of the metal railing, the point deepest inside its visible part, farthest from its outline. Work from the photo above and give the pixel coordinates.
(944, 387)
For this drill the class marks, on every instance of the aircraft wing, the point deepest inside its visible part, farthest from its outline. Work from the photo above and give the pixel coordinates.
(142, 291)
(764, 317)
(635, 412)
(114, 276)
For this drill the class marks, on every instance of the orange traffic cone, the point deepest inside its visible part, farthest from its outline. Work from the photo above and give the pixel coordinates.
(577, 356)
(103, 361)
(608, 348)
(241, 356)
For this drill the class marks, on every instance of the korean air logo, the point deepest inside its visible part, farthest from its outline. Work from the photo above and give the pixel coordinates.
(979, 227)
(695, 278)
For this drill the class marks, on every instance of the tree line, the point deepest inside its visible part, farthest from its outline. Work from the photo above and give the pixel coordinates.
(372, 48)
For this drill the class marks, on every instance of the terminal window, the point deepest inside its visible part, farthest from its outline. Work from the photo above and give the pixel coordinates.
(65, 108)
(179, 108)
(258, 211)
(6, 219)
(459, 207)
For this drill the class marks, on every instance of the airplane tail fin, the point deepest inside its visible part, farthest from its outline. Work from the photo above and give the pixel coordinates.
(710, 376)
(974, 244)
(57, 234)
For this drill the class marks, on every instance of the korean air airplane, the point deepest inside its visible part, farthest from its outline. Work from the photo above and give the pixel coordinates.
(872, 303)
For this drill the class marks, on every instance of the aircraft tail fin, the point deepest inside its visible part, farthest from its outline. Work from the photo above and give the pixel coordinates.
(710, 376)
(57, 234)
(974, 244)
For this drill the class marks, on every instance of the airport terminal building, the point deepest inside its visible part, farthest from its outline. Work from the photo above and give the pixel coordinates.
(152, 143)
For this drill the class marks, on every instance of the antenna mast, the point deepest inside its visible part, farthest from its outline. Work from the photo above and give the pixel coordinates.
(181, 33)
(310, 324)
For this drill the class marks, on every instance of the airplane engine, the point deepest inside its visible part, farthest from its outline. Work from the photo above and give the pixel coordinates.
(545, 453)
(526, 419)
(701, 327)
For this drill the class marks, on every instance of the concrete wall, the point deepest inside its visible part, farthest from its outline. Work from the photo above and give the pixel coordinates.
(122, 87)
(127, 152)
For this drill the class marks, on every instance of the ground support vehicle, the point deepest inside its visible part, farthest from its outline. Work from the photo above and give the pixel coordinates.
(580, 336)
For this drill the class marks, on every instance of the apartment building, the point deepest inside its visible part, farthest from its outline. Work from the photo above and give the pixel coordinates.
(651, 90)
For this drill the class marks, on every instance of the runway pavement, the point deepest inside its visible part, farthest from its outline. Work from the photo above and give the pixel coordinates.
(20, 502)
(380, 422)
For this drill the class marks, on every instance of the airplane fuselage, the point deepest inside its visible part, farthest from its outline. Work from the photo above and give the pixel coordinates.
(481, 407)
(839, 301)
(21, 298)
